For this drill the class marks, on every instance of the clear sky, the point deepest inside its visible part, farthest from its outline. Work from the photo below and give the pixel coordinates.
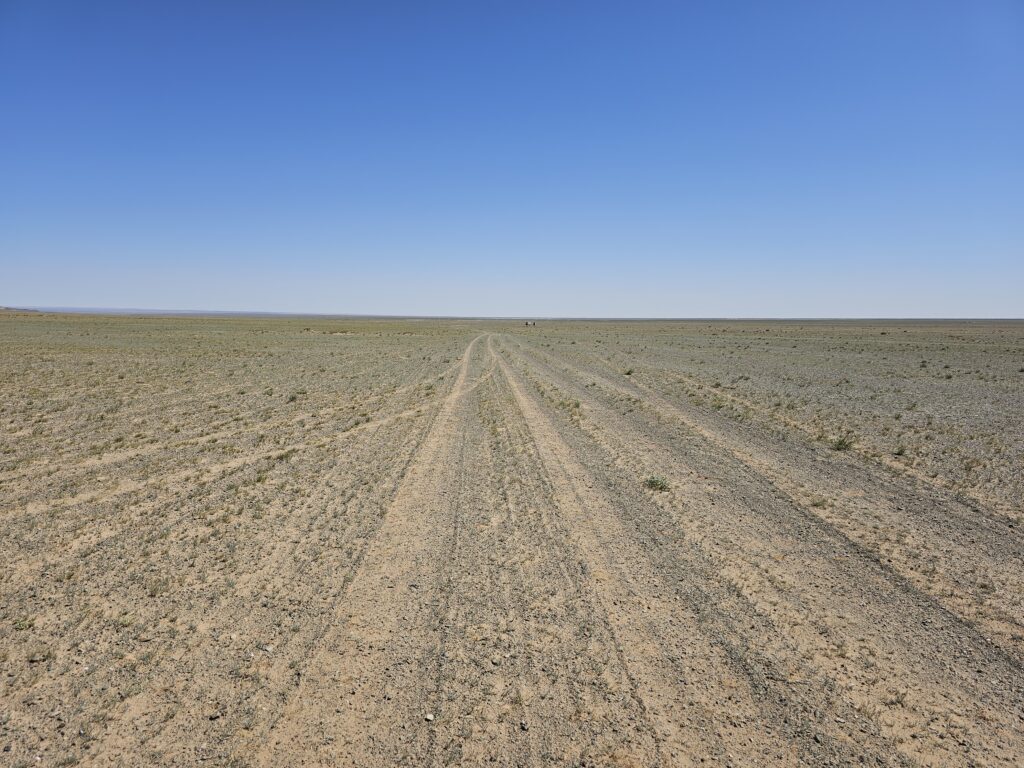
(515, 158)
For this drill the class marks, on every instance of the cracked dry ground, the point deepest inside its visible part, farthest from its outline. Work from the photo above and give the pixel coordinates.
(269, 542)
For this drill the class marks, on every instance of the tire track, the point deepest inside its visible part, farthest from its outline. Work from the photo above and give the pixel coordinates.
(531, 674)
(847, 616)
(372, 666)
(969, 561)
(690, 725)
(166, 715)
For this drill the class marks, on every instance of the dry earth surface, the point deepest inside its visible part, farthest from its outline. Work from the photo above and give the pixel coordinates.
(312, 541)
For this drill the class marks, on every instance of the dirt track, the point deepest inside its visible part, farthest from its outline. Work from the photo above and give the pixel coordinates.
(474, 572)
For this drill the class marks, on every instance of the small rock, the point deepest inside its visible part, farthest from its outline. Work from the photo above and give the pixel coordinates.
(429, 718)
(523, 725)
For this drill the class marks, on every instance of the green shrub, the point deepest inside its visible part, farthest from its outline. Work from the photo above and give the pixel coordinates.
(656, 483)
(842, 443)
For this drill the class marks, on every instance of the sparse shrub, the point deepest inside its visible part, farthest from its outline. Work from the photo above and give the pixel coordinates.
(573, 406)
(842, 443)
(157, 587)
(656, 483)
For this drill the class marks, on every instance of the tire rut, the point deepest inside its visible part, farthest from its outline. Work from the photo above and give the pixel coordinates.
(373, 664)
(678, 675)
(971, 560)
(325, 540)
(841, 616)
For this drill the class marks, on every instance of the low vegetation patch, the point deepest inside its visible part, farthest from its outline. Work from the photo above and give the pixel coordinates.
(842, 443)
(656, 483)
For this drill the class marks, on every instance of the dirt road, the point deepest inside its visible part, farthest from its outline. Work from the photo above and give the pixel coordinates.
(481, 575)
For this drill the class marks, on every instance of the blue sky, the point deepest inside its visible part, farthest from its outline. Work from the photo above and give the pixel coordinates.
(496, 158)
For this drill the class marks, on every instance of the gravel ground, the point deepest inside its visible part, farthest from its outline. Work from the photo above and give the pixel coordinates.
(312, 541)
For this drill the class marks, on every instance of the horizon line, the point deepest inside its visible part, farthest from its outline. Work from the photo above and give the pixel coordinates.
(150, 312)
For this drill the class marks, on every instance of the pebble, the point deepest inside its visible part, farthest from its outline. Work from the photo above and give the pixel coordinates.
(429, 718)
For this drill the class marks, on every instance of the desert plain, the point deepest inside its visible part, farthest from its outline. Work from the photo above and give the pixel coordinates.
(256, 541)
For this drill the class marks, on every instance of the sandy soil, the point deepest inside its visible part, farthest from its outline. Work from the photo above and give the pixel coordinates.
(273, 542)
